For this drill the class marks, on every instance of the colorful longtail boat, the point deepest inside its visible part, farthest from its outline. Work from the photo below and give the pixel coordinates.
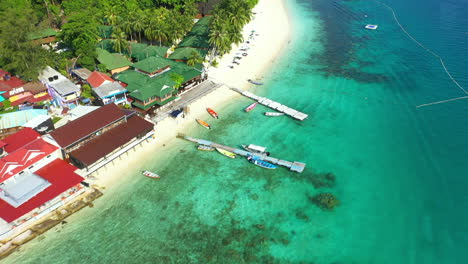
(212, 113)
(203, 123)
(250, 107)
(226, 153)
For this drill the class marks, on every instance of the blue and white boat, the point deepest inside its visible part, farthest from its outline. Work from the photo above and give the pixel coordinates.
(373, 27)
(261, 163)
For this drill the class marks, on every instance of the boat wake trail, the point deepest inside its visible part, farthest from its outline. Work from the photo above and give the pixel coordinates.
(422, 46)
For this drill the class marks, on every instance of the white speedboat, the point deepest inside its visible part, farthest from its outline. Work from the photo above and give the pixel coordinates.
(150, 174)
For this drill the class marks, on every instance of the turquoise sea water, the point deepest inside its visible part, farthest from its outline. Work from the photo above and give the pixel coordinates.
(401, 172)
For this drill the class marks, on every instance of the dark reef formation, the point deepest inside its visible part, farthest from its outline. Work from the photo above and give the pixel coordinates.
(326, 201)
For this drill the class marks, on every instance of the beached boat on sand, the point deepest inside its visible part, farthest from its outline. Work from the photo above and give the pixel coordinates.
(273, 114)
(254, 82)
(261, 163)
(250, 107)
(226, 153)
(203, 123)
(150, 174)
(212, 113)
(205, 148)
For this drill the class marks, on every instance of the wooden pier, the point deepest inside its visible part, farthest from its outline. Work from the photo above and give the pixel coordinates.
(273, 105)
(294, 166)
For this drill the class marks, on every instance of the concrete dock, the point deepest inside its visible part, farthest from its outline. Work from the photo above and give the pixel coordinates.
(273, 105)
(293, 166)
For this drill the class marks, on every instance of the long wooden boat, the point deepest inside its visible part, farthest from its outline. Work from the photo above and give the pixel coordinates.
(261, 163)
(273, 114)
(212, 113)
(254, 82)
(226, 153)
(205, 148)
(250, 107)
(203, 123)
(150, 174)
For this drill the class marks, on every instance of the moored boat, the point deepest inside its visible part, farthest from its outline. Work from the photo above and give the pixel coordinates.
(261, 163)
(254, 82)
(256, 149)
(150, 174)
(205, 148)
(203, 123)
(226, 153)
(250, 107)
(370, 26)
(273, 114)
(212, 113)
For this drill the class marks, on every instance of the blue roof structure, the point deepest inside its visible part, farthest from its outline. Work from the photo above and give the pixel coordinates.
(19, 118)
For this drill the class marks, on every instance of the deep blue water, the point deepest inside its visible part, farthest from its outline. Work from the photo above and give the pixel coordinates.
(401, 171)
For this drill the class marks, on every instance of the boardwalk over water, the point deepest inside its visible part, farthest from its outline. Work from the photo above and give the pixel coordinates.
(273, 105)
(294, 166)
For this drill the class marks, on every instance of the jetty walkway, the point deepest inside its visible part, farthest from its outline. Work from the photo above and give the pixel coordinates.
(293, 166)
(273, 105)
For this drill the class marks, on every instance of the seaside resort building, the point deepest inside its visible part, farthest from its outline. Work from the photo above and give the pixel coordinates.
(151, 81)
(107, 90)
(113, 62)
(97, 138)
(33, 180)
(64, 92)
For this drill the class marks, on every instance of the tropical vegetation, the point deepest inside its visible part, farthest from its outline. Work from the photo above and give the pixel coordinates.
(155, 22)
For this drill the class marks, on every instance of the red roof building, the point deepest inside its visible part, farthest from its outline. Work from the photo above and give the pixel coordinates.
(19, 139)
(101, 146)
(23, 153)
(60, 176)
(8, 82)
(87, 125)
(97, 79)
(97, 135)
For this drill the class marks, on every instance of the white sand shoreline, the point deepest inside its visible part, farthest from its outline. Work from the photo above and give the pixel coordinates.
(272, 24)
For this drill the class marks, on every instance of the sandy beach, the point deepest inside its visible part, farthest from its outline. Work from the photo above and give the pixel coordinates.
(273, 27)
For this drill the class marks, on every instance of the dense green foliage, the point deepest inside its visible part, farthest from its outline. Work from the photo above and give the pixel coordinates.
(160, 22)
(18, 54)
(230, 16)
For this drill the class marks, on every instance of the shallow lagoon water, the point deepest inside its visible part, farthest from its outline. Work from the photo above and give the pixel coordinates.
(400, 170)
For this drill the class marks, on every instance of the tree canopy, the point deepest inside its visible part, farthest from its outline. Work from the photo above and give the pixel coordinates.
(18, 54)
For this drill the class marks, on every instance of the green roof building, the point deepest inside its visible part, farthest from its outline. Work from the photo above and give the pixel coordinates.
(199, 30)
(114, 62)
(183, 54)
(200, 42)
(204, 21)
(142, 51)
(202, 27)
(147, 91)
(153, 65)
(48, 32)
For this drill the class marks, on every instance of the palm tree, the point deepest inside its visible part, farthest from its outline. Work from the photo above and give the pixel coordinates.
(218, 38)
(235, 36)
(194, 58)
(138, 23)
(119, 40)
(112, 16)
(159, 34)
(127, 27)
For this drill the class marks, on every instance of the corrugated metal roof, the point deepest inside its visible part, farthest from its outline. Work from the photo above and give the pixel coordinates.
(57, 81)
(112, 139)
(19, 118)
(109, 89)
(87, 125)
